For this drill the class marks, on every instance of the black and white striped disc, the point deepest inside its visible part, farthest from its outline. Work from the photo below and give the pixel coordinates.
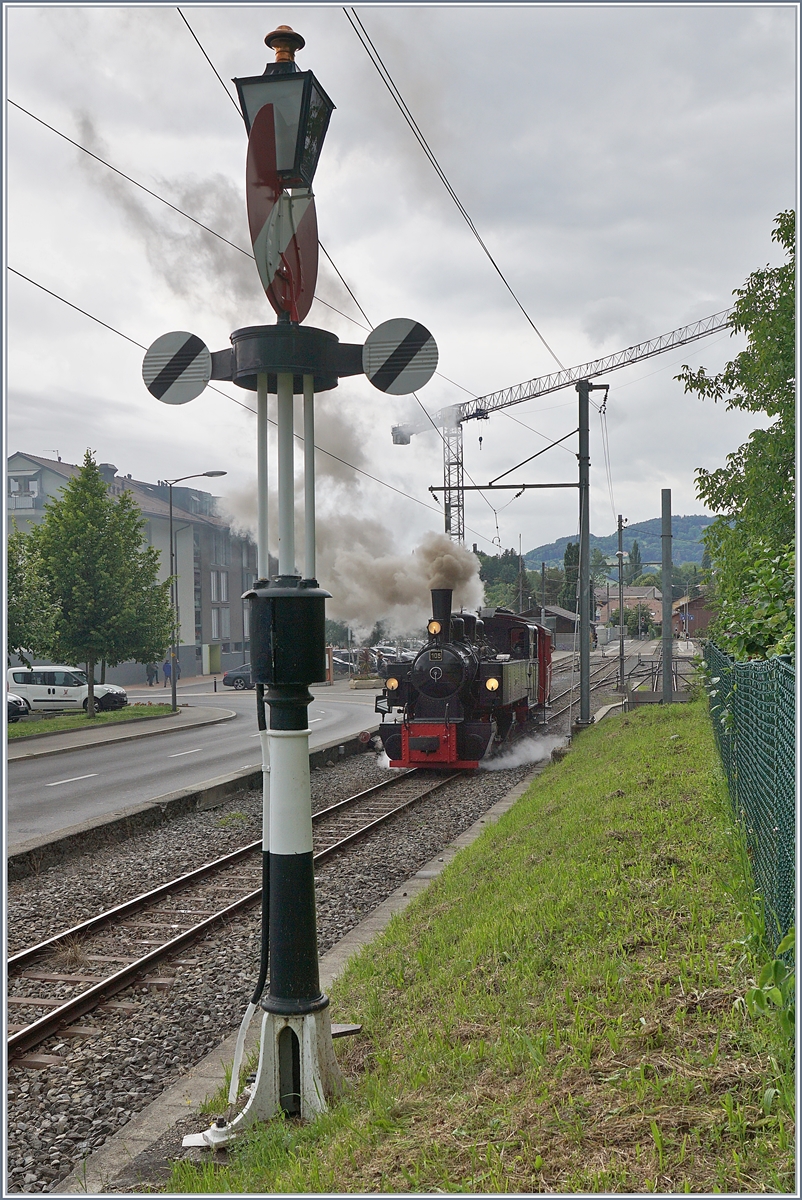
(177, 368)
(399, 356)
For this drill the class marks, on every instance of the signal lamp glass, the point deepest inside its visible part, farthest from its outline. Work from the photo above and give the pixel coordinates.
(301, 113)
(391, 684)
(491, 685)
(434, 627)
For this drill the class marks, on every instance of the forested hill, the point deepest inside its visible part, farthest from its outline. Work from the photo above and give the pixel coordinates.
(686, 546)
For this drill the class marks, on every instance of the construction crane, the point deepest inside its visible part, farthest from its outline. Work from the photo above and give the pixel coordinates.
(450, 420)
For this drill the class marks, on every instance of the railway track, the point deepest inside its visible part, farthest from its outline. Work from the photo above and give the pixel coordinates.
(81, 969)
(601, 677)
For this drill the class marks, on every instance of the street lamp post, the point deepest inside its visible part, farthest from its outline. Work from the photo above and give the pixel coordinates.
(173, 579)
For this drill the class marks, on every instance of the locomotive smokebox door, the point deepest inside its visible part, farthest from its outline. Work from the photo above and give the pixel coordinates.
(288, 632)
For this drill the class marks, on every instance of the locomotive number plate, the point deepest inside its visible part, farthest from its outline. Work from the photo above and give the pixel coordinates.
(435, 656)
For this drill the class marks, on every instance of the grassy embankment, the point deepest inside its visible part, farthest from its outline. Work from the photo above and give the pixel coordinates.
(561, 1010)
(79, 720)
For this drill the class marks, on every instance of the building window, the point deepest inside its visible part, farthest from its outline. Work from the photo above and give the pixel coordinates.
(215, 624)
(225, 623)
(214, 575)
(223, 585)
(221, 549)
(246, 620)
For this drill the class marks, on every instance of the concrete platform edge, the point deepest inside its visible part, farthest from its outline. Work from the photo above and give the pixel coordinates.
(96, 1173)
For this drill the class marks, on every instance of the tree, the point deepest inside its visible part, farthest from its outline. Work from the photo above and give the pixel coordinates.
(32, 609)
(634, 566)
(753, 494)
(600, 567)
(112, 606)
(636, 619)
(336, 633)
(568, 597)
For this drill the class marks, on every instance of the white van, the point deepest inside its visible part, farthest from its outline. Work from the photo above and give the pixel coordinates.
(51, 689)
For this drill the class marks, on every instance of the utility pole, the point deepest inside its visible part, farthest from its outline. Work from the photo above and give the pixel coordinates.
(668, 593)
(543, 589)
(520, 578)
(584, 388)
(620, 557)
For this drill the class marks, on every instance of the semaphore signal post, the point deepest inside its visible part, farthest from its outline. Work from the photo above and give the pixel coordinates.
(286, 113)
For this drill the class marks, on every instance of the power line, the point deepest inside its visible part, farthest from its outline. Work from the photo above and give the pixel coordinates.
(322, 247)
(537, 431)
(348, 289)
(345, 285)
(233, 400)
(129, 179)
(387, 80)
(180, 211)
(233, 246)
(209, 61)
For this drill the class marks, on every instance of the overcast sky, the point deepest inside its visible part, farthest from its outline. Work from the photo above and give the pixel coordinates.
(624, 164)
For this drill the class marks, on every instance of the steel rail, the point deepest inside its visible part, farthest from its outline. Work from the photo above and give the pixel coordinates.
(593, 675)
(78, 1006)
(130, 907)
(351, 837)
(594, 687)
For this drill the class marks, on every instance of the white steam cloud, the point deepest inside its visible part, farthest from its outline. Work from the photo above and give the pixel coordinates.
(519, 754)
(368, 582)
(368, 585)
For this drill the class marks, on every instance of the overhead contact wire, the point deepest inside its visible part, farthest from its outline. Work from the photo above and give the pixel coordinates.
(174, 207)
(385, 76)
(233, 400)
(209, 61)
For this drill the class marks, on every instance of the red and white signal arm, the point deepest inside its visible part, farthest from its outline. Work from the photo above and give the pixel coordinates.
(283, 226)
(177, 367)
(399, 356)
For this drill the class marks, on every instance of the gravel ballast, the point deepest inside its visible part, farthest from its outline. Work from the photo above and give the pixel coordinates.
(59, 1114)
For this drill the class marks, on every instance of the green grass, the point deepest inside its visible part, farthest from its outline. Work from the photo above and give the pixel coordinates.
(79, 720)
(562, 1009)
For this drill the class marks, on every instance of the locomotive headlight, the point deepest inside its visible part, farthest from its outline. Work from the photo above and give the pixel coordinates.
(491, 685)
(391, 684)
(433, 627)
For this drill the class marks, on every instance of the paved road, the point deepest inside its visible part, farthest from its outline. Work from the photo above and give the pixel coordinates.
(49, 794)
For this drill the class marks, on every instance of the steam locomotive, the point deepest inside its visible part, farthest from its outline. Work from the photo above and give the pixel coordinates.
(479, 681)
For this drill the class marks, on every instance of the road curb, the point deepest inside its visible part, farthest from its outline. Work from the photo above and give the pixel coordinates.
(98, 1172)
(27, 737)
(227, 714)
(37, 854)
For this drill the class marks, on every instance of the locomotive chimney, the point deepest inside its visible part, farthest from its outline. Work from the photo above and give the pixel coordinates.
(441, 608)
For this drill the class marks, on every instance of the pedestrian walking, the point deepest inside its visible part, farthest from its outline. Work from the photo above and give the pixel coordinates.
(166, 670)
(151, 673)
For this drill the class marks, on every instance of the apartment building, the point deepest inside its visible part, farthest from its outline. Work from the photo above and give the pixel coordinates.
(213, 565)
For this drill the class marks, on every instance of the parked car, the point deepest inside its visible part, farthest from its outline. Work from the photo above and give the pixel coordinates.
(62, 689)
(238, 677)
(341, 664)
(16, 707)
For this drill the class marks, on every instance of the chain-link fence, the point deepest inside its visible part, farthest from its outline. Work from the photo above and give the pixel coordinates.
(753, 709)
